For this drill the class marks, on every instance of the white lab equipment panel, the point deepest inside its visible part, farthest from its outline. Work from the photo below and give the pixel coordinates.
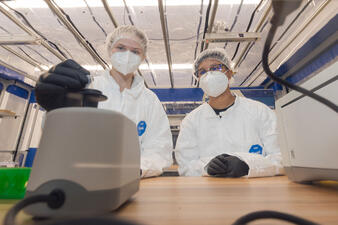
(308, 129)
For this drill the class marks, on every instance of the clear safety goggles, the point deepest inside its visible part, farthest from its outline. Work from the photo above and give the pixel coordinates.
(201, 72)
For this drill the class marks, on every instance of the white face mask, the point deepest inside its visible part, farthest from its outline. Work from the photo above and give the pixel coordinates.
(214, 83)
(125, 62)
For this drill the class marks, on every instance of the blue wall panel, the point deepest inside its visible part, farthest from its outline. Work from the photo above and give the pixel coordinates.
(10, 73)
(18, 91)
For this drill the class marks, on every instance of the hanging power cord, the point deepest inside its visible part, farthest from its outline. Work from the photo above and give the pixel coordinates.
(94, 19)
(206, 24)
(272, 215)
(235, 20)
(252, 44)
(37, 52)
(198, 36)
(284, 8)
(198, 29)
(126, 8)
(274, 45)
(27, 23)
(248, 27)
(166, 26)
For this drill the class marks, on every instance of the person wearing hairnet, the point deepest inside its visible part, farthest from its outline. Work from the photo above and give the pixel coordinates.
(228, 136)
(126, 92)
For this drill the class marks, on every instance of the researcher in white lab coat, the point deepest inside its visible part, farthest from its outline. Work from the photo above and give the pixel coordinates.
(126, 92)
(228, 136)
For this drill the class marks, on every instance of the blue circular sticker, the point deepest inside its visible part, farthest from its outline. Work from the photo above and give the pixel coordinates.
(141, 128)
(256, 149)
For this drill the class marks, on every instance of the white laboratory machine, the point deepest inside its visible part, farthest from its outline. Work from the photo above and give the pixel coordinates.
(309, 130)
(92, 155)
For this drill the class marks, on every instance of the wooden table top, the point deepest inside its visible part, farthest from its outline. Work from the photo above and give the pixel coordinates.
(207, 200)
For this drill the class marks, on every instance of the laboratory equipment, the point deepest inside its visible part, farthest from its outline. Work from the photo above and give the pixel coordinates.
(90, 156)
(308, 130)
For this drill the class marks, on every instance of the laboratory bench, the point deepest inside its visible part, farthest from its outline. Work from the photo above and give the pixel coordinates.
(207, 200)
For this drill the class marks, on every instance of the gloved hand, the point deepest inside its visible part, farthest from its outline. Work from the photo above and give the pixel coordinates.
(52, 86)
(227, 166)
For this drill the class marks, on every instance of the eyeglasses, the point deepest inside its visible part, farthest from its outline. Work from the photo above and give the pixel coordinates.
(218, 67)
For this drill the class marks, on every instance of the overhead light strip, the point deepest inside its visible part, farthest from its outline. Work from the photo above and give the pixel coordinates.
(113, 3)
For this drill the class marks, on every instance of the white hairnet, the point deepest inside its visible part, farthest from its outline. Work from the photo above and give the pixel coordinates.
(129, 32)
(215, 53)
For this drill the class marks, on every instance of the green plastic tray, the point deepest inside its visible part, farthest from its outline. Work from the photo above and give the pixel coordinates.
(13, 182)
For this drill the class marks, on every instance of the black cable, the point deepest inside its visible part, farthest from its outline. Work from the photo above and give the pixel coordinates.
(235, 53)
(151, 73)
(94, 19)
(206, 24)
(248, 27)
(235, 21)
(54, 200)
(198, 36)
(47, 60)
(272, 215)
(252, 44)
(166, 27)
(282, 35)
(253, 15)
(26, 22)
(168, 40)
(198, 29)
(2, 28)
(237, 14)
(267, 70)
(128, 13)
(24, 52)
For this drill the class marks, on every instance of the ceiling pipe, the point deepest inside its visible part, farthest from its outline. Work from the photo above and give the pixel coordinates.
(2, 63)
(109, 12)
(23, 57)
(17, 40)
(308, 58)
(76, 34)
(30, 32)
(211, 21)
(166, 41)
(285, 44)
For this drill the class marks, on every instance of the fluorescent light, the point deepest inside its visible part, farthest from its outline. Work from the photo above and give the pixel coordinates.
(145, 67)
(165, 66)
(92, 67)
(115, 3)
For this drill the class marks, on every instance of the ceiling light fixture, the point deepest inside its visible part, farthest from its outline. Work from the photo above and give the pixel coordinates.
(114, 3)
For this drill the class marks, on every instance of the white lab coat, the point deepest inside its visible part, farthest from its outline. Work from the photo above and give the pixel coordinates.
(143, 107)
(204, 135)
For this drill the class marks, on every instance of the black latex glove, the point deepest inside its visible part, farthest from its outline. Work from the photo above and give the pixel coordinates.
(52, 86)
(227, 166)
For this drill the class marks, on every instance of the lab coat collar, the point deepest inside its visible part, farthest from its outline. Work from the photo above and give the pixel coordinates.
(136, 87)
(210, 113)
